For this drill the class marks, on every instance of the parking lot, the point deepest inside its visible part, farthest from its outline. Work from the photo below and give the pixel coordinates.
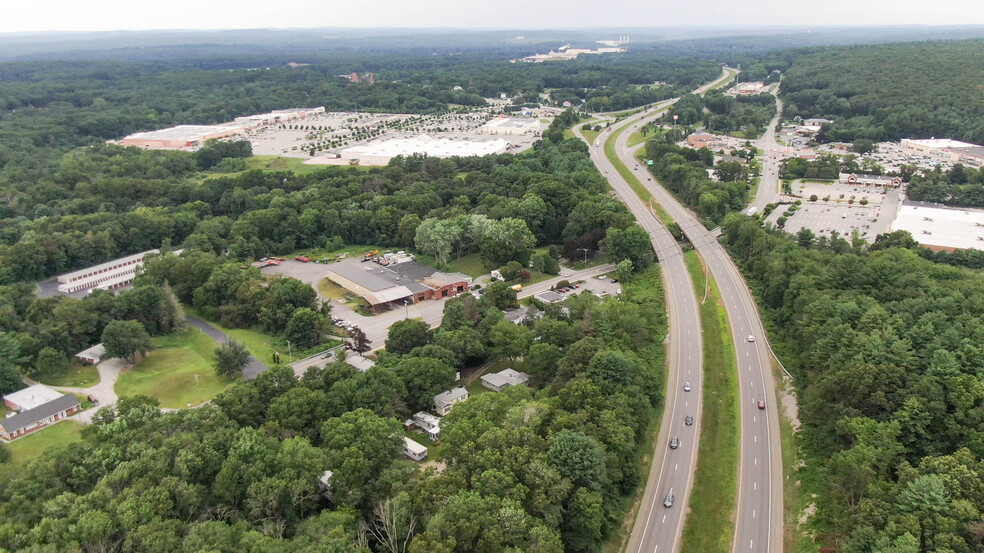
(839, 193)
(825, 217)
(334, 132)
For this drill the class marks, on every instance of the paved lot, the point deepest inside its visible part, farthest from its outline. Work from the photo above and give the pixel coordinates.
(842, 192)
(823, 218)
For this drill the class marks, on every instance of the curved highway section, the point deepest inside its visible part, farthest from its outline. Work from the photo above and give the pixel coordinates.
(658, 527)
(758, 525)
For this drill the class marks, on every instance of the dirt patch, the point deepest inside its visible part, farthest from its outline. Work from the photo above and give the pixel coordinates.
(808, 512)
(790, 406)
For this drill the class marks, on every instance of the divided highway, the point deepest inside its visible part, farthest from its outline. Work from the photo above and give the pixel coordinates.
(658, 527)
(758, 526)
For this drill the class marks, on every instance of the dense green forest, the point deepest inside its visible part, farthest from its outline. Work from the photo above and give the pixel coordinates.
(885, 348)
(543, 471)
(890, 91)
(716, 112)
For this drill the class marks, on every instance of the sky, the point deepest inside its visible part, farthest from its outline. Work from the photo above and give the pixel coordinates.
(110, 15)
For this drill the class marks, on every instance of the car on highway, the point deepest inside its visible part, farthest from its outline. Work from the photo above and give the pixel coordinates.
(675, 442)
(689, 421)
(761, 404)
(668, 502)
(686, 386)
(751, 338)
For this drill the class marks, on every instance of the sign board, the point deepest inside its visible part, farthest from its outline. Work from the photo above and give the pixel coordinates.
(649, 162)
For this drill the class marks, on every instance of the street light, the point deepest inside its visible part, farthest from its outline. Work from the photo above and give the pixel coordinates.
(289, 356)
(585, 262)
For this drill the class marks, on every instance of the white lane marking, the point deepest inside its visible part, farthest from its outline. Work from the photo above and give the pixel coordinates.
(756, 460)
(664, 520)
(750, 542)
(754, 419)
(685, 403)
(755, 439)
(753, 513)
(676, 466)
(755, 486)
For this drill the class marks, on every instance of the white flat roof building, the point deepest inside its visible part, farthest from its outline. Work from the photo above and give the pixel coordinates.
(31, 397)
(380, 152)
(510, 125)
(181, 136)
(941, 227)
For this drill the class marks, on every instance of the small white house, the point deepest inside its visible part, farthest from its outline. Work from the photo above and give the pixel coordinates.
(503, 379)
(324, 483)
(413, 450)
(444, 401)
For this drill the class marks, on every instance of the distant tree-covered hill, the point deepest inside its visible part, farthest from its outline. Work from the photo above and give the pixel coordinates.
(891, 91)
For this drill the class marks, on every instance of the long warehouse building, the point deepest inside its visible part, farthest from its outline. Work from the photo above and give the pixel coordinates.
(105, 276)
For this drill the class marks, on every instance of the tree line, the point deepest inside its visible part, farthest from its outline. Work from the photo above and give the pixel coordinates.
(884, 347)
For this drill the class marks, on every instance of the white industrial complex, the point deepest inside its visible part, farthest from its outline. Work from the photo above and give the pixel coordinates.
(946, 149)
(104, 276)
(381, 152)
(192, 137)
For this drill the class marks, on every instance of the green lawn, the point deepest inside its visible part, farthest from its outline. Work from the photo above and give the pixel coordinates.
(637, 138)
(419, 436)
(168, 372)
(471, 264)
(710, 524)
(263, 345)
(71, 375)
(30, 447)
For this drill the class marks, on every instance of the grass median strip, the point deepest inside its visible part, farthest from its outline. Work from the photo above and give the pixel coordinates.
(710, 524)
(630, 178)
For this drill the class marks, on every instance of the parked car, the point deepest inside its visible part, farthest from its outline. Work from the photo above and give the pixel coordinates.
(302, 258)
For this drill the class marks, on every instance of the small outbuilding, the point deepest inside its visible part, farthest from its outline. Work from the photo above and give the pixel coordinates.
(414, 450)
(92, 355)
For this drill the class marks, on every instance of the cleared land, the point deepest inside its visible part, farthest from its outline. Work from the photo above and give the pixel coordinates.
(71, 375)
(168, 372)
(710, 525)
(32, 446)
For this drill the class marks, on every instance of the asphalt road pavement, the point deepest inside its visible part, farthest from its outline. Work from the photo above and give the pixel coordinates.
(758, 526)
(672, 470)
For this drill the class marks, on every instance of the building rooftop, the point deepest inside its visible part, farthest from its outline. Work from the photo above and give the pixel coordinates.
(941, 226)
(33, 396)
(30, 417)
(450, 397)
(67, 277)
(95, 352)
(368, 275)
(423, 144)
(183, 132)
(549, 296)
(940, 143)
(414, 447)
(507, 377)
(360, 363)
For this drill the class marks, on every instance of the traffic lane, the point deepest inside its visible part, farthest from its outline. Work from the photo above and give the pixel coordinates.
(684, 315)
(702, 237)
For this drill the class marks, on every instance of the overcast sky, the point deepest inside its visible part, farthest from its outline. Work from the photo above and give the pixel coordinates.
(105, 15)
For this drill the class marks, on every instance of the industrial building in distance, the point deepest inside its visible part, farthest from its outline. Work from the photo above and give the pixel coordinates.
(380, 153)
(192, 137)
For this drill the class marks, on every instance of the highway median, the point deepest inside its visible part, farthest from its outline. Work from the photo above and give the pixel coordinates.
(710, 524)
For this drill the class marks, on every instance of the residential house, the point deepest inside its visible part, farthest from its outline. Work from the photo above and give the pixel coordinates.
(444, 401)
(413, 450)
(503, 379)
(39, 417)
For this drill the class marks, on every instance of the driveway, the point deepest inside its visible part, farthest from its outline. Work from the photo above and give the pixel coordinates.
(109, 371)
(253, 368)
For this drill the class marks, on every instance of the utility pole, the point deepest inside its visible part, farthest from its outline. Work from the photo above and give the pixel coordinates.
(198, 391)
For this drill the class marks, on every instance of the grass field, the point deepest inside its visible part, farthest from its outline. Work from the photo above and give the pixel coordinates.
(168, 372)
(710, 525)
(637, 138)
(30, 447)
(331, 290)
(72, 375)
(471, 264)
